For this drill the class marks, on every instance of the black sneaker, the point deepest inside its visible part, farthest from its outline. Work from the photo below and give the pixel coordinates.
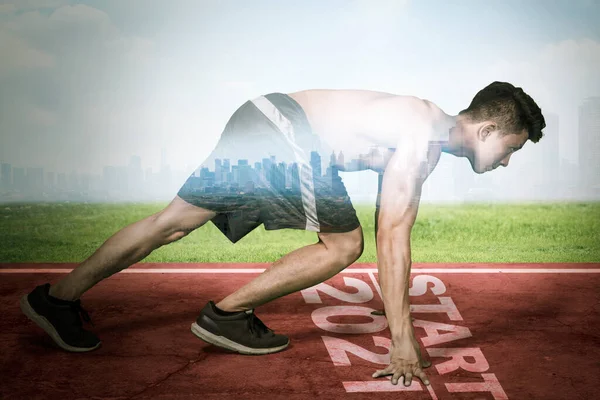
(241, 332)
(61, 321)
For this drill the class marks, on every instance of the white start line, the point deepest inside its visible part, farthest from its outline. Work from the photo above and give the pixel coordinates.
(346, 271)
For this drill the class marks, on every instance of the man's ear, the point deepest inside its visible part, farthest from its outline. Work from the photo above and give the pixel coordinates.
(486, 130)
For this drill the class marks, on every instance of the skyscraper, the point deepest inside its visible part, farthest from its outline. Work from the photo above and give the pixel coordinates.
(122, 180)
(244, 172)
(227, 174)
(35, 179)
(315, 163)
(266, 171)
(218, 171)
(5, 176)
(61, 179)
(204, 177)
(257, 174)
(109, 176)
(340, 159)
(332, 170)
(273, 176)
(50, 182)
(281, 168)
(295, 178)
(135, 173)
(235, 174)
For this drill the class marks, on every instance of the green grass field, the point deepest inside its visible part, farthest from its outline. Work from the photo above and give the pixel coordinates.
(565, 232)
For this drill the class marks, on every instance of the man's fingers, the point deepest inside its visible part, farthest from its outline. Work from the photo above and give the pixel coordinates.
(407, 379)
(423, 377)
(425, 363)
(383, 372)
(408, 376)
(419, 372)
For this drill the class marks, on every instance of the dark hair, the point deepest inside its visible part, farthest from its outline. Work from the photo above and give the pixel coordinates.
(510, 107)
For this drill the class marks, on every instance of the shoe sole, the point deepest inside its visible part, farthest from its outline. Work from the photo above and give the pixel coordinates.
(43, 323)
(225, 343)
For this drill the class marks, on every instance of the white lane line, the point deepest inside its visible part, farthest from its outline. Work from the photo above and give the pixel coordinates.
(142, 271)
(346, 271)
(431, 392)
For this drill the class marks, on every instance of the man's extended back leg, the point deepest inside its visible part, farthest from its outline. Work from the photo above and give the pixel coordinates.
(132, 244)
(56, 308)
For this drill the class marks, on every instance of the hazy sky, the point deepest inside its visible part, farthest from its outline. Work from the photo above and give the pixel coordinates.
(87, 84)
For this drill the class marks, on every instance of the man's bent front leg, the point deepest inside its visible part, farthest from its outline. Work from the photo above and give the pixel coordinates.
(300, 269)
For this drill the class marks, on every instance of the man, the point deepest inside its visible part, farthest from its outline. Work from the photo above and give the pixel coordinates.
(400, 137)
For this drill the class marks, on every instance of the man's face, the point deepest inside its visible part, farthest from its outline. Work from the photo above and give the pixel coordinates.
(492, 150)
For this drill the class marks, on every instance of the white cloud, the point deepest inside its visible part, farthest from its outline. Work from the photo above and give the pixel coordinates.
(18, 54)
(7, 8)
(32, 4)
(41, 117)
(81, 15)
(95, 67)
(70, 28)
(134, 48)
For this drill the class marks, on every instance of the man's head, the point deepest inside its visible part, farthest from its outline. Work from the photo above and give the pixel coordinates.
(498, 122)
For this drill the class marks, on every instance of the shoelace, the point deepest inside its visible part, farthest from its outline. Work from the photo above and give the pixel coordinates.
(256, 326)
(76, 306)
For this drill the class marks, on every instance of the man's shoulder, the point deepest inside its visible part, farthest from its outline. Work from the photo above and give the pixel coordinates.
(424, 131)
(429, 118)
(424, 110)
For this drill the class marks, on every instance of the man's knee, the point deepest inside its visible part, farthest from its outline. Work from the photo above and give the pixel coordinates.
(347, 246)
(170, 237)
(177, 221)
(358, 246)
(164, 231)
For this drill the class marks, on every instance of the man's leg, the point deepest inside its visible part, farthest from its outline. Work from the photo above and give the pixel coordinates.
(130, 245)
(302, 268)
(232, 324)
(56, 309)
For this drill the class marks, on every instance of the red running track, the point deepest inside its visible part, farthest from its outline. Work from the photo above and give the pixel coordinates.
(496, 331)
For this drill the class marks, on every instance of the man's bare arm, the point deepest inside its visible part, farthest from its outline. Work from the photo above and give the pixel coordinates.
(414, 158)
(400, 195)
(378, 204)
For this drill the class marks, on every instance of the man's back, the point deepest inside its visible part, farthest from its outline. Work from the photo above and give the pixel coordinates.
(365, 125)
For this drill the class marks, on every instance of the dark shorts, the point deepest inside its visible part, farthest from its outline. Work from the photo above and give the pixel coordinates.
(266, 169)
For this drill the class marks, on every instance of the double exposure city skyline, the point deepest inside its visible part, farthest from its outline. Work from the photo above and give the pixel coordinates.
(246, 176)
(538, 172)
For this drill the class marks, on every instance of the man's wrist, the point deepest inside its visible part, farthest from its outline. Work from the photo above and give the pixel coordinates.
(404, 331)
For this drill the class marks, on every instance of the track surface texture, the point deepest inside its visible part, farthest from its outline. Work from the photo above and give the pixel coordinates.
(492, 331)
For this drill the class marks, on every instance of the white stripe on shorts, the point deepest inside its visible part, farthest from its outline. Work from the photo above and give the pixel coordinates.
(304, 169)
